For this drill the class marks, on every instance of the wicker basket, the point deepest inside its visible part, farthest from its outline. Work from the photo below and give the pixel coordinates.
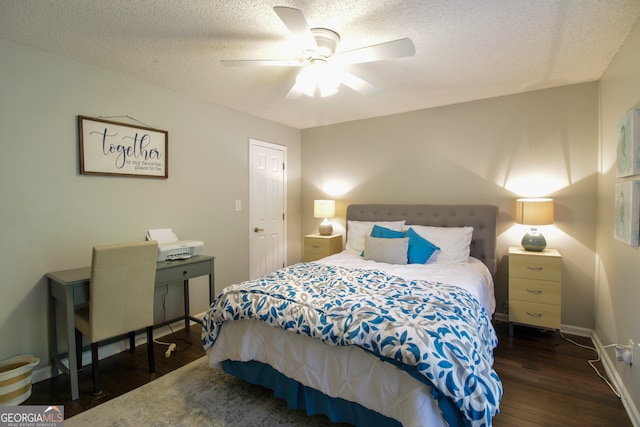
(15, 379)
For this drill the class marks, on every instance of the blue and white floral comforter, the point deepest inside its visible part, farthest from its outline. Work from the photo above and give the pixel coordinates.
(437, 329)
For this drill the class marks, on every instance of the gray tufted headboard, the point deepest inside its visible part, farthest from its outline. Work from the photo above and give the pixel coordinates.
(483, 219)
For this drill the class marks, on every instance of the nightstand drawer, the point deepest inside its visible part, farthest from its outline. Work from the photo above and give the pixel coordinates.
(540, 291)
(317, 246)
(535, 267)
(531, 313)
(314, 245)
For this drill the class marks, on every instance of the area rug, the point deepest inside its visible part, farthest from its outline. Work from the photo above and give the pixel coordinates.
(196, 395)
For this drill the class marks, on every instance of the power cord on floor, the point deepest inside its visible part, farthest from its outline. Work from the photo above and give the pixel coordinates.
(592, 362)
(171, 346)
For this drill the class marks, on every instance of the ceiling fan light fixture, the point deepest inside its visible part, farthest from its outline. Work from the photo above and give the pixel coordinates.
(328, 87)
(318, 75)
(326, 40)
(307, 79)
(328, 81)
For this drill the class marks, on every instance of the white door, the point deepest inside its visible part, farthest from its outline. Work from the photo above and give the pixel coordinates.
(267, 204)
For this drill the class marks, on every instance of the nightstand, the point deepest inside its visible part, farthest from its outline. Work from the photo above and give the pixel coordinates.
(535, 288)
(317, 246)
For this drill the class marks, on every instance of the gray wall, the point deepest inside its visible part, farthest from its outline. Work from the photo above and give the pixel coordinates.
(541, 143)
(51, 216)
(618, 290)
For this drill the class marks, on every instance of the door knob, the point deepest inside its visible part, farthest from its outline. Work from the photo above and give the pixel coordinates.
(257, 229)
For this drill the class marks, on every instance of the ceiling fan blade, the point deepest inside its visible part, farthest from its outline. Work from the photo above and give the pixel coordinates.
(388, 50)
(297, 25)
(263, 62)
(356, 83)
(295, 92)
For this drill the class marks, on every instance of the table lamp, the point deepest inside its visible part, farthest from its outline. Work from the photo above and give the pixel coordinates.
(324, 209)
(532, 212)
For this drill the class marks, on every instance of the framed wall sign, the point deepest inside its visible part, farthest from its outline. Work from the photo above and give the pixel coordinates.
(628, 150)
(627, 216)
(111, 148)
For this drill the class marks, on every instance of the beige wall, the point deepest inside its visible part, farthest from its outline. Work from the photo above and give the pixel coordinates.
(51, 216)
(618, 290)
(490, 151)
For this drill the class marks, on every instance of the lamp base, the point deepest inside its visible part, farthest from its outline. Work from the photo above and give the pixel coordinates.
(325, 229)
(534, 241)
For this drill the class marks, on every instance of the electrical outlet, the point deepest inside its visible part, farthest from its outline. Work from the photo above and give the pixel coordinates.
(619, 352)
(627, 354)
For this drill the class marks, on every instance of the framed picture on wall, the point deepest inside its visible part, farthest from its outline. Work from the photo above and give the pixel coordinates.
(627, 215)
(112, 148)
(628, 151)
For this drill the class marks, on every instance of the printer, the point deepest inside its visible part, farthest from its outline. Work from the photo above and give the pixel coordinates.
(170, 247)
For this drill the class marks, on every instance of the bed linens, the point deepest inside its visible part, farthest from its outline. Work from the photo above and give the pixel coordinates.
(472, 275)
(438, 329)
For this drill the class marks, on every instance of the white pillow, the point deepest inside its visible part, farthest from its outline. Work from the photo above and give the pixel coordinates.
(454, 242)
(391, 251)
(357, 230)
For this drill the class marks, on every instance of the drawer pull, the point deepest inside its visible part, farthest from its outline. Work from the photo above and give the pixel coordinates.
(534, 268)
(315, 246)
(534, 291)
(536, 315)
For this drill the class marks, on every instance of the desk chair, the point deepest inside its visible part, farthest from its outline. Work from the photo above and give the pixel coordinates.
(121, 292)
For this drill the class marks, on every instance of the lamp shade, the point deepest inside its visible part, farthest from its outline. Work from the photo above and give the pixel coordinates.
(324, 208)
(534, 211)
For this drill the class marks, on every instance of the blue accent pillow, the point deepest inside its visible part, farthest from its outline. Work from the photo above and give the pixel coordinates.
(420, 249)
(385, 233)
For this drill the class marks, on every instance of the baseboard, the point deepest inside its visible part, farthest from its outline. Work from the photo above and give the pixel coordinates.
(616, 381)
(44, 373)
(501, 317)
(576, 330)
(568, 329)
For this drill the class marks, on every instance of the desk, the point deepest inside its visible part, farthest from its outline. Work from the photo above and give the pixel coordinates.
(69, 288)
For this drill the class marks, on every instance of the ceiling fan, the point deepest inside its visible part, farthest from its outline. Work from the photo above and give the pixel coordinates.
(321, 68)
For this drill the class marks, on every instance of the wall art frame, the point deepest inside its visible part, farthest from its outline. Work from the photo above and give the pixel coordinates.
(119, 149)
(627, 215)
(628, 148)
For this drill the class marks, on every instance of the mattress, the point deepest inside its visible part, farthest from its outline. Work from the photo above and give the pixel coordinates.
(346, 371)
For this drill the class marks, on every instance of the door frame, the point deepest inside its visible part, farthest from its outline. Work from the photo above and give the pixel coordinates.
(257, 142)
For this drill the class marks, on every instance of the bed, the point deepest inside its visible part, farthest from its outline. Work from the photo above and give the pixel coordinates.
(367, 338)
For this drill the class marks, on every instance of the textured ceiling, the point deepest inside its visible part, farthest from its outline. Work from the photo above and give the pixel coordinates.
(465, 49)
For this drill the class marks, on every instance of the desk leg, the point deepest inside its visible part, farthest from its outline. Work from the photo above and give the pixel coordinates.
(211, 288)
(185, 286)
(53, 333)
(69, 311)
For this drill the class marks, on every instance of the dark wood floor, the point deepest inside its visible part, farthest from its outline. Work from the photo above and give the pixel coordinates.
(552, 385)
(119, 374)
(544, 384)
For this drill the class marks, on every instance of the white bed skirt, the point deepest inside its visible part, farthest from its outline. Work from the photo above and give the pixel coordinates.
(346, 372)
